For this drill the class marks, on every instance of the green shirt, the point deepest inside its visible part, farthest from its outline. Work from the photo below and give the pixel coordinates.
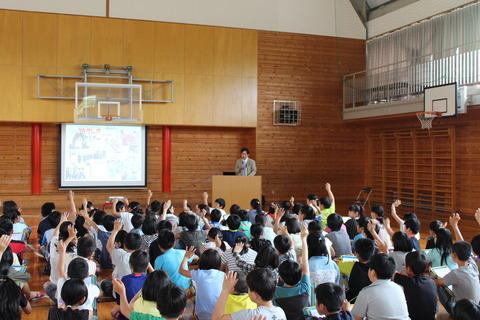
(325, 214)
(142, 316)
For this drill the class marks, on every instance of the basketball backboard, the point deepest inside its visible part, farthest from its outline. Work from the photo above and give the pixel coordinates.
(442, 99)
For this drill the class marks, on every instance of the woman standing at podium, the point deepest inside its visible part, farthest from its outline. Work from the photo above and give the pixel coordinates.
(245, 166)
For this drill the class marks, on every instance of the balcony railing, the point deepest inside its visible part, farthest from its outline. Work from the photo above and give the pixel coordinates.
(408, 79)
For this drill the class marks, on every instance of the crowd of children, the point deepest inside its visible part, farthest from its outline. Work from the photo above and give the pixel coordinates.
(296, 261)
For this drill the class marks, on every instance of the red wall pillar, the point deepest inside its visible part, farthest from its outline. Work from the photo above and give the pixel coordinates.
(166, 159)
(36, 158)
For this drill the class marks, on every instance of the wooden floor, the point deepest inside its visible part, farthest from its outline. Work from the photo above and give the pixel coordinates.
(40, 307)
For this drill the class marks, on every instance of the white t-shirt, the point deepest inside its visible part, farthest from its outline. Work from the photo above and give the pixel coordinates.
(54, 260)
(121, 260)
(127, 220)
(275, 313)
(93, 292)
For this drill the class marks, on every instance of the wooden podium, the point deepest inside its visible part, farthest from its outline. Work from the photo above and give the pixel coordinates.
(237, 190)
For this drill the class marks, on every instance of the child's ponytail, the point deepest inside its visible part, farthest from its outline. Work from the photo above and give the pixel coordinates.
(10, 295)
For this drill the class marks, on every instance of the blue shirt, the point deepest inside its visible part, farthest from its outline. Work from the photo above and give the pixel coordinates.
(105, 261)
(230, 236)
(133, 283)
(170, 262)
(209, 285)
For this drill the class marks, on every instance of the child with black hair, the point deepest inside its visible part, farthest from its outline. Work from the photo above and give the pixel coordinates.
(245, 223)
(77, 269)
(464, 279)
(355, 212)
(339, 238)
(363, 232)
(420, 291)
(149, 232)
(208, 280)
(137, 223)
(412, 228)
(267, 257)
(44, 224)
(154, 250)
(307, 214)
(108, 223)
(295, 294)
(238, 298)
(171, 258)
(377, 214)
(86, 249)
(466, 309)
(229, 263)
(119, 209)
(402, 245)
(268, 233)
(383, 299)
(476, 249)
(331, 302)
(359, 275)
(432, 229)
(121, 256)
(215, 241)
(192, 236)
(230, 235)
(322, 267)
(213, 218)
(442, 253)
(255, 208)
(284, 246)
(73, 296)
(257, 240)
(172, 301)
(63, 232)
(218, 204)
(133, 282)
(261, 285)
(327, 204)
(12, 299)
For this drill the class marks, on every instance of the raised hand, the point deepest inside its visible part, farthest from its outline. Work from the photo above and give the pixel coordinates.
(274, 206)
(149, 193)
(117, 225)
(190, 252)
(238, 247)
(64, 217)
(453, 219)
(4, 242)
(230, 281)
(381, 246)
(477, 215)
(61, 246)
(304, 233)
(328, 186)
(284, 230)
(396, 203)
(72, 233)
(118, 286)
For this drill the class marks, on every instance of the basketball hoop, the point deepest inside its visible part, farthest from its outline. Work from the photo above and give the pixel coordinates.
(109, 117)
(426, 118)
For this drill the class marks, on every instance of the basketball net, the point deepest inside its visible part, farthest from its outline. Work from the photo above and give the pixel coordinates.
(426, 118)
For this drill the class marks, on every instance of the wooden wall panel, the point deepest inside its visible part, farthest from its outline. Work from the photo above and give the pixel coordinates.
(172, 113)
(228, 52)
(107, 41)
(55, 44)
(299, 160)
(250, 53)
(249, 102)
(227, 101)
(11, 34)
(199, 50)
(11, 97)
(74, 45)
(199, 99)
(40, 39)
(34, 109)
(139, 45)
(169, 48)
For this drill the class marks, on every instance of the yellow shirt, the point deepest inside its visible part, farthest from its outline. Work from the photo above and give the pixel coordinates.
(238, 302)
(146, 307)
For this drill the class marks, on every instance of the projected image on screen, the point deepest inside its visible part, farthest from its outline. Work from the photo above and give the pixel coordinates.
(99, 156)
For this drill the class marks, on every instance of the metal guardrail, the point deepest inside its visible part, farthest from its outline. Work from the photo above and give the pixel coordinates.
(408, 79)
